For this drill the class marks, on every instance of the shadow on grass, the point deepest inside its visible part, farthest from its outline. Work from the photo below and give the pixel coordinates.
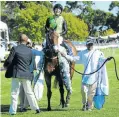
(60, 109)
(5, 109)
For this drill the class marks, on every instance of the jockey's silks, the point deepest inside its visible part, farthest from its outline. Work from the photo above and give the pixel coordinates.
(59, 21)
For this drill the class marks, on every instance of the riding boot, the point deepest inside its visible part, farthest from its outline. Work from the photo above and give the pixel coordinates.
(69, 50)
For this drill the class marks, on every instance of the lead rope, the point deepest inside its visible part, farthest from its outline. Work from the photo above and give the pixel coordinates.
(108, 59)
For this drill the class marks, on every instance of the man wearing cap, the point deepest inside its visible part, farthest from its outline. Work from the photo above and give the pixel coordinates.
(21, 57)
(91, 59)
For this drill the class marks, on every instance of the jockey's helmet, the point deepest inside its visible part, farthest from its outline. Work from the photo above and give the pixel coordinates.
(59, 6)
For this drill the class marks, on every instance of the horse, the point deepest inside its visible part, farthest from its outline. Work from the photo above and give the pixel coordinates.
(51, 67)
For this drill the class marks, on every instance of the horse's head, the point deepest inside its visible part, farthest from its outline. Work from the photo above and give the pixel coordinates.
(54, 36)
(50, 54)
(51, 41)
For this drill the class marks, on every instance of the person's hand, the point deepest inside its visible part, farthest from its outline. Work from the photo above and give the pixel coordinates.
(109, 58)
(75, 58)
(56, 48)
(37, 71)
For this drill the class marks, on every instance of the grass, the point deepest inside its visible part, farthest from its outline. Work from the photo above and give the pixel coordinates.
(110, 109)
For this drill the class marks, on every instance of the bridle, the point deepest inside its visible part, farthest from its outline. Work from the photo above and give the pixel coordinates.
(51, 58)
(49, 46)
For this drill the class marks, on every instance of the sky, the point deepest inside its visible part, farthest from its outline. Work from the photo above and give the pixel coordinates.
(102, 5)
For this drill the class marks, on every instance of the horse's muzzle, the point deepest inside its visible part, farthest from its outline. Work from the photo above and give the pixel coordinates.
(50, 67)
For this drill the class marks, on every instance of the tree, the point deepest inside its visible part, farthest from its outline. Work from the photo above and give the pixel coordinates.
(80, 6)
(77, 29)
(114, 5)
(93, 18)
(9, 11)
(108, 32)
(31, 20)
(113, 21)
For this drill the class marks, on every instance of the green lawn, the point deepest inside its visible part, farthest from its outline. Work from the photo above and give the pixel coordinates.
(110, 109)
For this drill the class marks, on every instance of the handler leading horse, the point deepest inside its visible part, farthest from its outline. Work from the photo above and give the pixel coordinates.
(51, 67)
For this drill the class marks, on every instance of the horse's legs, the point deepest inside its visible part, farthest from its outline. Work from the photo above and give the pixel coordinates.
(49, 93)
(68, 98)
(67, 83)
(61, 91)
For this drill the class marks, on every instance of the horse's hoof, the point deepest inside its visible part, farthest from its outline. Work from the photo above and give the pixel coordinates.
(49, 109)
(63, 106)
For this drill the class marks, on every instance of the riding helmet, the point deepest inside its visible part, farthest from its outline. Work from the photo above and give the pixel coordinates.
(58, 6)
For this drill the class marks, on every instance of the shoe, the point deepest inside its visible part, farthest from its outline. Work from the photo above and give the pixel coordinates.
(13, 114)
(89, 109)
(23, 110)
(84, 107)
(37, 111)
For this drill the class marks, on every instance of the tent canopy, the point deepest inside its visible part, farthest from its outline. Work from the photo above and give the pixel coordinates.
(3, 26)
(4, 35)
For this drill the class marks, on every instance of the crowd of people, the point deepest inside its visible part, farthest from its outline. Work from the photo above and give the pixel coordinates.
(22, 58)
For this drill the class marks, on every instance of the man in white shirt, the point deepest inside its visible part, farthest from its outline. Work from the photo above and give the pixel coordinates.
(91, 59)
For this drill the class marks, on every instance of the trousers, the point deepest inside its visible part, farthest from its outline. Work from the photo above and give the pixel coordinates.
(88, 92)
(23, 98)
(15, 89)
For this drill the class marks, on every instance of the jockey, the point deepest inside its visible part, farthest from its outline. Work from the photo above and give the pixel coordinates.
(58, 24)
(57, 21)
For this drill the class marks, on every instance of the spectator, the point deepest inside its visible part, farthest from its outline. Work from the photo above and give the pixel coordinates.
(21, 57)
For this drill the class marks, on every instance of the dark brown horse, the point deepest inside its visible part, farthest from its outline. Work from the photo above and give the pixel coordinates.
(51, 67)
